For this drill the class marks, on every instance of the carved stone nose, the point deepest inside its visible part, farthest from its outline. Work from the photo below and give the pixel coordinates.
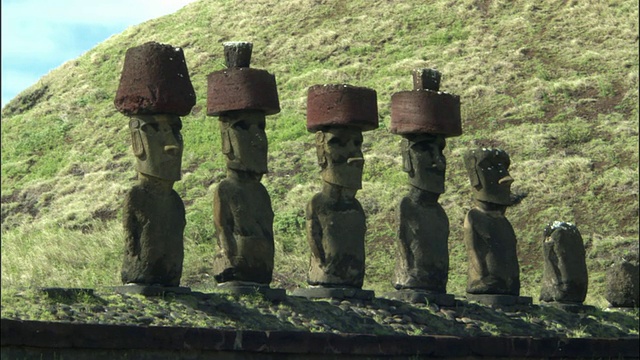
(172, 150)
(505, 180)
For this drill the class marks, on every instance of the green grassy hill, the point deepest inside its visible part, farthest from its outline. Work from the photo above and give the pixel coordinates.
(554, 83)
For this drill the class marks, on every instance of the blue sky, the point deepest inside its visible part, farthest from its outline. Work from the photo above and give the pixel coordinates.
(40, 35)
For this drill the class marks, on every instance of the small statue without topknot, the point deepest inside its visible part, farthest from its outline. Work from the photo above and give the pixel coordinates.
(493, 275)
(565, 278)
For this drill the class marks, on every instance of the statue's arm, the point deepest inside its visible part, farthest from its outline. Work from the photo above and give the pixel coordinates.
(132, 228)
(224, 223)
(314, 232)
(476, 245)
(404, 232)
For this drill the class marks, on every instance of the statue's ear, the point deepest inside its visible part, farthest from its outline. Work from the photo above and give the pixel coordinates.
(227, 148)
(407, 166)
(470, 162)
(322, 159)
(136, 137)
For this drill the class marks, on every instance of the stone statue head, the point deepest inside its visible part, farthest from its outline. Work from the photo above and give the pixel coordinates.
(423, 160)
(157, 145)
(340, 155)
(488, 171)
(244, 141)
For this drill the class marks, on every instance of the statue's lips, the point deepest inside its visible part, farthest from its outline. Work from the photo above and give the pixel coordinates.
(355, 161)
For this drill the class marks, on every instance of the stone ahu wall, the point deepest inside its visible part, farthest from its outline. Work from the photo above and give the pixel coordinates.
(155, 91)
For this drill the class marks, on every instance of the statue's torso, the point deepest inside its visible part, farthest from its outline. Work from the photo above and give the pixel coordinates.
(247, 225)
(423, 259)
(493, 260)
(343, 227)
(154, 224)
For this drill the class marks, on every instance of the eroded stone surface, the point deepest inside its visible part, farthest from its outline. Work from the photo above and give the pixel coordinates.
(335, 220)
(489, 237)
(243, 216)
(336, 227)
(237, 53)
(155, 80)
(154, 89)
(565, 277)
(423, 232)
(242, 89)
(341, 105)
(154, 221)
(622, 283)
(425, 111)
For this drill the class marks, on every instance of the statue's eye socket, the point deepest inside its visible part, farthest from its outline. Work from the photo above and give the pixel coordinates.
(146, 127)
(334, 141)
(241, 125)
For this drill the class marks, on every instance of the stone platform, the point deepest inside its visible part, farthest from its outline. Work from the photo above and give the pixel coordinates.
(500, 300)
(334, 293)
(570, 307)
(421, 297)
(245, 288)
(60, 340)
(150, 290)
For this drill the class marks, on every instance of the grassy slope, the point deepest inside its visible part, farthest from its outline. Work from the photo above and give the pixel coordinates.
(554, 83)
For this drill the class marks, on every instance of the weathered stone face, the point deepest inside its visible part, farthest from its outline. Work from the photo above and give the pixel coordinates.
(424, 161)
(488, 171)
(340, 156)
(244, 141)
(623, 284)
(158, 145)
(565, 277)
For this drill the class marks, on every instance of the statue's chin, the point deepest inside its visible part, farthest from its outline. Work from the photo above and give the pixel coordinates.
(349, 180)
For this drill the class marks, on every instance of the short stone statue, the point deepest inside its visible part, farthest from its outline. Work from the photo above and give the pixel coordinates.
(565, 278)
(488, 236)
(155, 90)
(623, 283)
(424, 117)
(336, 223)
(243, 217)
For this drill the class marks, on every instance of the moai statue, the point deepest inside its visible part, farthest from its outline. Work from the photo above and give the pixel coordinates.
(154, 91)
(622, 283)
(424, 117)
(336, 224)
(242, 97)
(565, 279)
(493, 273)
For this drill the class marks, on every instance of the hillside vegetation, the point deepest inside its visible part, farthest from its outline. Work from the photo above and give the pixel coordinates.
(554, 83)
